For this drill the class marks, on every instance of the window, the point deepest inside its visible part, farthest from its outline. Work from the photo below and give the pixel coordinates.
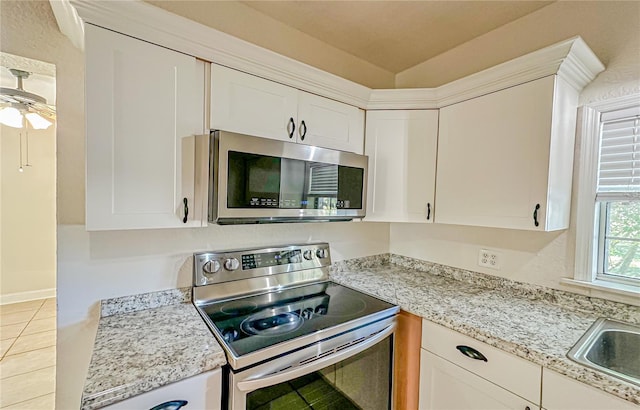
(608, 209)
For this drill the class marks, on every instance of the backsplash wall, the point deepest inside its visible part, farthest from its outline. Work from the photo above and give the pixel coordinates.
(100, 265)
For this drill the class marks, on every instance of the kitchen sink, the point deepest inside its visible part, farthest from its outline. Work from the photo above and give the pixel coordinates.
(612, 347)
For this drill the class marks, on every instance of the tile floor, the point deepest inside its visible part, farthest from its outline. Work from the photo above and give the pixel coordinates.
(28, 355)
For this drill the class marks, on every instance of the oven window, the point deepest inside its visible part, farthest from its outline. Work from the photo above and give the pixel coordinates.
(260, 181)
(362, 381)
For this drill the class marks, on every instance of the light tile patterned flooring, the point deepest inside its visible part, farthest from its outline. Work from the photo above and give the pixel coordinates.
(28, 355)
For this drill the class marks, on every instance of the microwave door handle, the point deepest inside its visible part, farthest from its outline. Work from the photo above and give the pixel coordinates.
(259, 383)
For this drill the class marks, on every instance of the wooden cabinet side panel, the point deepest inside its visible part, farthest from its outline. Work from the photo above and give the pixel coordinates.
(406, 370)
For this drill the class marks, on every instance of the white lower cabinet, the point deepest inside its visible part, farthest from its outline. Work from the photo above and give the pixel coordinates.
(200, 392)
(401, 145)
(459, 372)
(562, 393)
(445, 386)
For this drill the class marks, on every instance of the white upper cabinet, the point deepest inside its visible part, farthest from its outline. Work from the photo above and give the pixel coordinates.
(327, 123)
(505, 159)
(144, 105)
(401, 146)
(251, 105)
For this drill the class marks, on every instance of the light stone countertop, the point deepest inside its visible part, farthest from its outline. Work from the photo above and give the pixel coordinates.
(535, 323)
(141, 350)
(146, 341)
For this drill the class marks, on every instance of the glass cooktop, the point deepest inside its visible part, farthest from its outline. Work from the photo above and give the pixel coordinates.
(252, 323)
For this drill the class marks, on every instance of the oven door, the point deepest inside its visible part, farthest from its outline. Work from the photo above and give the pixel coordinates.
(350, 371)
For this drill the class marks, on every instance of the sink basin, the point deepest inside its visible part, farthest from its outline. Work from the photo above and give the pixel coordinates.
(611, 347)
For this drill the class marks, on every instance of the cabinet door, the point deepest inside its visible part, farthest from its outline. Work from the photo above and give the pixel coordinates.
(493, 158)
(562, 393)
(401, 146)
(200, 392)
(251, 105)
(445, 386)
(330, 124)
(144, 104)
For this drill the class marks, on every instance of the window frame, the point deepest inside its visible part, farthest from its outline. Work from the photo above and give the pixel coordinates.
(589, 215)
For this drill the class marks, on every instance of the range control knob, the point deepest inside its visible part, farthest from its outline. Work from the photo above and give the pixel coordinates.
(322, 253)
(307, 314)
(231, 264)
(308, 255)
(211, 267)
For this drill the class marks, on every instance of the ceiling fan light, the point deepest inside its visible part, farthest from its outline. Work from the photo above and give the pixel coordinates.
(37, 121)
(11, 117)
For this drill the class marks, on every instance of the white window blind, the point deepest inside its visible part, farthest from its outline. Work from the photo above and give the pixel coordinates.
(323, 180)
(619, 168)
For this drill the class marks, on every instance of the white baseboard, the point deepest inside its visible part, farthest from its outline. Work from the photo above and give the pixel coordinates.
(27, 296)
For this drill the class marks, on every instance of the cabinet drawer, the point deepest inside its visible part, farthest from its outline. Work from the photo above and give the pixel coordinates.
(512, 373)
(562, 393)
(445, 386)
(202, 391)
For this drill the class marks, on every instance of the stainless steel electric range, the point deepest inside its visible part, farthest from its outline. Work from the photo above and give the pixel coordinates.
(293, 339)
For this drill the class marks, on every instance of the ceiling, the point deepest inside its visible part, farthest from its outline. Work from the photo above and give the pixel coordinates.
(392, 35)
(42, 80)
(395, 35)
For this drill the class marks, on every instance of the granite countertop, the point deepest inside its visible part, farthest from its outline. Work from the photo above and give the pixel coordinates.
(153, 335)
(535, 323)
(147, 341)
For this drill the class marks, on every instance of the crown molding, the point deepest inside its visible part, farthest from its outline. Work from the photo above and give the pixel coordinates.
(403, 99)
(147, 22)
(571, 59)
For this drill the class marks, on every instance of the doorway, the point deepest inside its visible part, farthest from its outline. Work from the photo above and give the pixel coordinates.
(27, 232)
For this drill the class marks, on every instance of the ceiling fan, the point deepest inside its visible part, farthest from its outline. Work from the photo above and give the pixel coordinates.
(18, 104)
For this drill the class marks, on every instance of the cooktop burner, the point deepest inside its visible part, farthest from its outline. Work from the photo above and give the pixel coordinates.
(264, 303)
(264, 320)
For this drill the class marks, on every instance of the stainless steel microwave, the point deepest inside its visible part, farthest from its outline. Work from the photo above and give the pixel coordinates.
(258, 180)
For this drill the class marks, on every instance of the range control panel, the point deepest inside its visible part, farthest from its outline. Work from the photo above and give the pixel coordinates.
(225, 266)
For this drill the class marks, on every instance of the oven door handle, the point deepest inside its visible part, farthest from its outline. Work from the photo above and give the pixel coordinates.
(260, 382)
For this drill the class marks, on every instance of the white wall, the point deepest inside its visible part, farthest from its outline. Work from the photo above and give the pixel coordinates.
(100, 265)
(539, 258)
(28, 247)
(27, 217)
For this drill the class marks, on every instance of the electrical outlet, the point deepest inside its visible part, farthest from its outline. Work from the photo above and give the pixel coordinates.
(489, 259)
